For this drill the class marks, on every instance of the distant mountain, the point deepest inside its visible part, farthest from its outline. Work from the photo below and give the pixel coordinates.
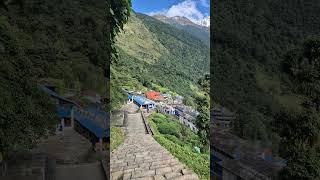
(205, 22)
(200, 31)
(176, 19)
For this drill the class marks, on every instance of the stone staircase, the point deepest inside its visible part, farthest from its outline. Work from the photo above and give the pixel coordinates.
(141, 157)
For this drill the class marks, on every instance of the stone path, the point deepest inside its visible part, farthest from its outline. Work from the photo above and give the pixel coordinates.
(67, 147)
(88, 171)
(141, 157)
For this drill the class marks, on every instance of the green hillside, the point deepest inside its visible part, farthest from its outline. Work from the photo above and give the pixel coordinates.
(153, 52)
(250, 43)
(251, 40)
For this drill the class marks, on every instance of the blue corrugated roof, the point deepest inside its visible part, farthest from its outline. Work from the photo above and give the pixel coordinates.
(65, 112)
(142, 100)
(91, 126)
(84, 121)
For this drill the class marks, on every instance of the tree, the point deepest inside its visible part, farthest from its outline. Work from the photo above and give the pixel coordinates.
(299, 134)
(118, 12)
(203, 107)
(26, 114)
(300, 131)
(63, 43)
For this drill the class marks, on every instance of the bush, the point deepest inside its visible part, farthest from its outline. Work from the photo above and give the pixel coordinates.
(180, 147)
(174, 139)
(169, 128)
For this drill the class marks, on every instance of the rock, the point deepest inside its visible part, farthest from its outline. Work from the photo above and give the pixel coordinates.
(172, 175)
(163, 170)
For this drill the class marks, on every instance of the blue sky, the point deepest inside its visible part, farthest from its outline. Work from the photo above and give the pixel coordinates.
(195, 10)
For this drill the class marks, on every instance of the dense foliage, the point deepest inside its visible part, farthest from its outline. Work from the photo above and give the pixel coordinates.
(300, 144)
(300, 131)
(261, 72)
(180, 141)
(118, 12)
(203, 107)
(62, 43)
(250, 39)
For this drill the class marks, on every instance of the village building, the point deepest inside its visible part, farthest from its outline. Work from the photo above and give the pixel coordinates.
(187, 110)
(166, 96)
(187, 116)
(155, 96)
(90, 121)
(142, 102)
(178, 100)
(166, 109)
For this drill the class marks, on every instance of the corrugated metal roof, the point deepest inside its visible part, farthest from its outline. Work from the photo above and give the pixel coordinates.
(154, 95)
(65, 112)
(91, 126)
(142, 100)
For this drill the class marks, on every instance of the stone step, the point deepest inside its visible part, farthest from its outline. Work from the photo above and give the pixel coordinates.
(142, 157)
(187, 177)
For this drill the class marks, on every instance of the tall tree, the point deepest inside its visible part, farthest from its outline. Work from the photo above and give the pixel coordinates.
(299, 134)
(300, 131)
(118, 12)
(203, 107)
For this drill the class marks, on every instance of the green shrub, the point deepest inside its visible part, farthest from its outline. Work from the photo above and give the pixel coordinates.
(181, 148)
(169, 128)
(174, 139)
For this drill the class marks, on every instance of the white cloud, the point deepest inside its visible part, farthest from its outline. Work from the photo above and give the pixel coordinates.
(188, 9)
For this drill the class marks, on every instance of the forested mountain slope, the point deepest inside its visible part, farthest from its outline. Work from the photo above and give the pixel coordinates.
(58, 42)
(151, 51)
(250, 40)
(264, 67)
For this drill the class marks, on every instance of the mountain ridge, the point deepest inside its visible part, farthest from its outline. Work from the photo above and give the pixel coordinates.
(185, 24)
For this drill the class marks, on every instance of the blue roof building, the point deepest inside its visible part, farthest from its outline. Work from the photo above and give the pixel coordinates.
(92, 120)
(142, 101)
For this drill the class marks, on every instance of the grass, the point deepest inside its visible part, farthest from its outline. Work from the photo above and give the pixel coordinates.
(117, 137)
(139, 42)
(182, 146)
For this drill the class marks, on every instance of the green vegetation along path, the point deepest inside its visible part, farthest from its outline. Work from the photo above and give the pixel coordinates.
(141, 157)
